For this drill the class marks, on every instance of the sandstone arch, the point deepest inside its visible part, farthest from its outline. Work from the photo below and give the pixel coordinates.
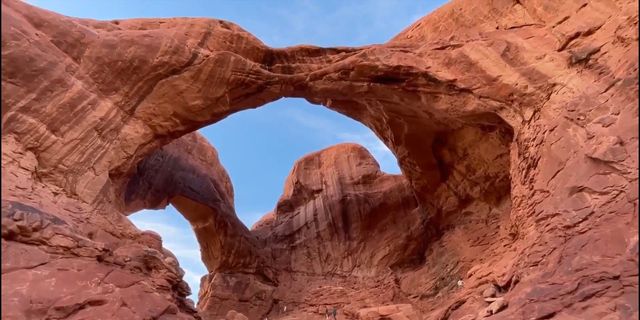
(187, 174)
(152, 119)
(564, 87)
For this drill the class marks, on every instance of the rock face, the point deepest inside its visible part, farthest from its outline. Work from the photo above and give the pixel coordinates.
(59, 262)
(514, 123)
(188, 174)
(340, 213)
(338, 229)
(395, 312)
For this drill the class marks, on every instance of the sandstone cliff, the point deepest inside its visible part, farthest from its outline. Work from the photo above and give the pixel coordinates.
(514, 122)
(340, 213)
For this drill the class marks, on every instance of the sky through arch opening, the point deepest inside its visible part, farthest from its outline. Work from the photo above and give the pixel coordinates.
(258, 149)
(277, 134)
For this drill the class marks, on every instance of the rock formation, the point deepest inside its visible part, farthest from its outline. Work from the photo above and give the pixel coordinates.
(340, 213)
(338, 228)
(65, 259)
(188, 174)
(514, 123)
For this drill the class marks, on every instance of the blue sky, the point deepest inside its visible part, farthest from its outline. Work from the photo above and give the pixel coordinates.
(258, 147)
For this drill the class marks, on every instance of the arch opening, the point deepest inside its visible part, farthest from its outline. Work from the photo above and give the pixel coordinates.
(178, 237)
(172, 186)
(373, 85)
(471, 158)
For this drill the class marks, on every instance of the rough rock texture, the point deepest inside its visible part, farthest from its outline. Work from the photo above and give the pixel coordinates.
(338, 229)
(188, 174)
(59, 262)
(340, 213)
(514, 123)
(392, 312)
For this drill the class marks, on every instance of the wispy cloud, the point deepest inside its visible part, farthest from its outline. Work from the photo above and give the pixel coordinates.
(193, 279)
(249, 218)
(345, 23)
(357, 133)
(378, 149)
(184, 249)
(159, 227)
(312, 121)
(178, 237)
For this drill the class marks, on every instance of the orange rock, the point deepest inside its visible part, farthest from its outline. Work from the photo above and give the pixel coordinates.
(338, 214)
(395, 312)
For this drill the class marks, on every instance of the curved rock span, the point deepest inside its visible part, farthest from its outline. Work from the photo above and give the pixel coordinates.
(514, 123)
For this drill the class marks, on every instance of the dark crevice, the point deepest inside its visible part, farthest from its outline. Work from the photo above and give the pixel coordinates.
(389, 79)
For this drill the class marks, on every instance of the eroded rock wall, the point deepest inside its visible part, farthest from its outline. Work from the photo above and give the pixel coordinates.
(65, 259)
(340, 213)
(187, 174)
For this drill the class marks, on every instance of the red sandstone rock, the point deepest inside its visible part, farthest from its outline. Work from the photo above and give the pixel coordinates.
(233, 315)
(52, 270)
(339, 213)
(393, 312)
(188, 174)
(331, 239)
(263, 225)
(514, 123)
